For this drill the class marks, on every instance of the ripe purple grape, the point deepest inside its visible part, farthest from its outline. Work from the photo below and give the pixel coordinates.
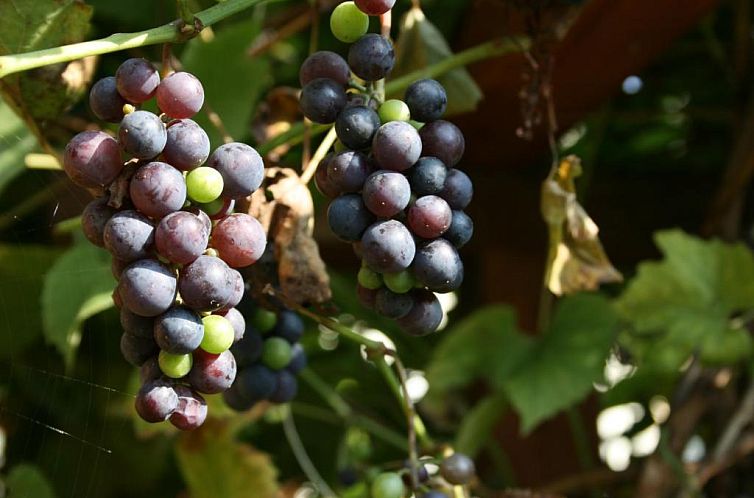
(137, 80)
(158, 189)
(286, 387)
(348, 217)
(322, 100)
(191, 411)
(374, 7)
(241, 167)
(392, 305)
(324, 64)
(238, 321)
(429, 217)
(137, 350)
(458, 190)
(147, 287)
(461, 229)
(150, 370)
(372, 57)
(321, 179)
(438, 266)
(181, 237)
(105, 101)
(206, 284)
(248, 350)
(94, 218)
(396, 146)
(92, 159)
(256, 382)
(425, 315)
(443, 140)
(428, 175)
(427, 100)
(212, 373)
(180, 95)
(186, 146)
(129, 235)
(347, 171)
(386, 193)
(239, 240)
(179, 330)
(156, 401)
(236, 401)
(388, 247)
(142, 134)
(356, 126)
(136, 325)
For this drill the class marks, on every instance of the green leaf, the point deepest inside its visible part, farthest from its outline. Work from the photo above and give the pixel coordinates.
(215, 465)
(22, 271)
(27, 481)
(687, 299)
(234, 89)
(477, 425)
(565, 363)
(15, 141)
(77, 287)
(421, 44)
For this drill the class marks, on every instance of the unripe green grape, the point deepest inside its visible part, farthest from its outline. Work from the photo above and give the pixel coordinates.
(175, 366)
(348, 23)
(264, 320)
(204, 184)
(400, 282)
(394, 110)
(276, 353)
(218, 334)
(388, 485)
(369, 279)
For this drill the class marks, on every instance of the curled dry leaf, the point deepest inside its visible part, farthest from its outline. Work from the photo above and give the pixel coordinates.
(276, 114)
(284, 207)
(577, 260)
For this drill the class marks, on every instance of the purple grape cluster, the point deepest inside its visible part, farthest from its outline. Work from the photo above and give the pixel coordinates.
(397, 194)
(175, 241)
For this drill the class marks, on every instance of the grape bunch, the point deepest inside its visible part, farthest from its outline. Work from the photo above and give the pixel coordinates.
(268, 357)
(176, 243)
(397, 194)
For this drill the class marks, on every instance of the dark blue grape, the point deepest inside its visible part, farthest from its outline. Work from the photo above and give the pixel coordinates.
(156, 401)
(249, 349)
(187, 145)
(92, 159)
(181, 237)
(206, 284)
(237, 401)
(388, 247)
(425, 315)
(427, 100)
(147, 287)
(256, 382)
(386, 193)
(286, 387)
(212, 373)
(129, 236)
(105, 101)
(356, 127)
(191, 411)
(372, 57)
(137, 80)
(458, 189)
(443, 140)
(94, 218)
(422, 474)
(142, 134)
(137, 350)
(299, 360)
(241, 166)
(322, 100)
(237, 320)
(179, 330)
(392, 305)
(347, 171)
(158, 189)
(324, 64)
(348, 217)
(428, 175)
(438, 266)
(461, 229)
(289, 326)
(139, 326)
(396, 146)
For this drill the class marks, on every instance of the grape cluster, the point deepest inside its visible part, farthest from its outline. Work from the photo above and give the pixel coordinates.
(396, 191)
(269, 357)
(175, 241)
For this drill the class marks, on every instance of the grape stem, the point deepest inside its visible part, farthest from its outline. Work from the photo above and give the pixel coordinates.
(319, 154)
(299, 451)
(487, 50)
(410, 413)
(171, 32)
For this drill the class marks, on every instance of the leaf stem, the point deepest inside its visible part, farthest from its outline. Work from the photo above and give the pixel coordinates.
(14, 63)
(184, 12)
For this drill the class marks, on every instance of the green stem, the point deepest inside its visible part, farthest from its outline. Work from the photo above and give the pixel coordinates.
(306, 464)
(493, 48)
(330, 395)
(170, 32)
(184, 12)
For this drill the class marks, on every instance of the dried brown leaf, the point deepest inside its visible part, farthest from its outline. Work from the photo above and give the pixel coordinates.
(276, 114)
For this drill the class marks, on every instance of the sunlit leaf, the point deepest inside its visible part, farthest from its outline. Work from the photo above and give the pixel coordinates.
(15, 142)
(27, 481)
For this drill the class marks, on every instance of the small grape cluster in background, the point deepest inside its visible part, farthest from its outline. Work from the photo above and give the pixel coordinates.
(456, 469)
(166, 216)
(396, 192)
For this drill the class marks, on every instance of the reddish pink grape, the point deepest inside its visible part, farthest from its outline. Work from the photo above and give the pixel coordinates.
(181, 237)
(94, 218)
(386, 193)
(429, 217)
(92, 159)
(191, 411)
(137, 80)
(156, 401)
(374, 7)
(239, 239)
(443, 140)
(180, 95)
(212, 373)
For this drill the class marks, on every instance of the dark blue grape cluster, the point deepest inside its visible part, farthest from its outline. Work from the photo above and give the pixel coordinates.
(397, 194)
(176, 244)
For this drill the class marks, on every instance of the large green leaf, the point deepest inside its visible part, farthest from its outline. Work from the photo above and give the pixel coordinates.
(478, 424)
(15, 142)
(22, 270)
(214, 465)
(421, 44)
(234, 87)
(77, 287)
(27, 481)
(687, 299)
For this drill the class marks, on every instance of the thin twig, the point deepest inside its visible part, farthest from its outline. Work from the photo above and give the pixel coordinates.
(306, 464)
(740, 419)
(408, 409)
(319, 154)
